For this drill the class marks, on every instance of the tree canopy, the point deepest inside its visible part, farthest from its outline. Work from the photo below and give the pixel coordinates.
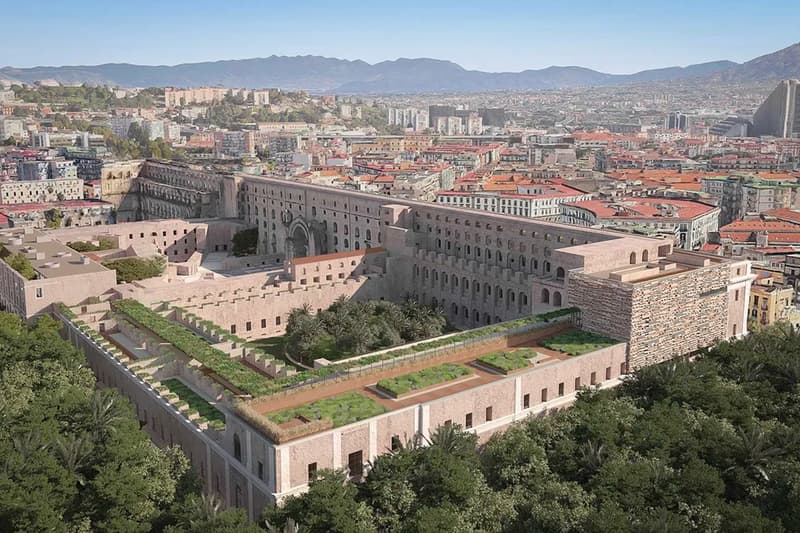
(350, 327)
(72, 457)
(708, 446)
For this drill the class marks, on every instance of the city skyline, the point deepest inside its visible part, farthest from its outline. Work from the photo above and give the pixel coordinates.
(584, 35)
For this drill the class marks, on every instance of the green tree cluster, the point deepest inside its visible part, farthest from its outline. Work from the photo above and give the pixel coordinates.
(83, 97)
(73, 458)
(709, 445)
(245, 242)
(350, 327)
(136, 268)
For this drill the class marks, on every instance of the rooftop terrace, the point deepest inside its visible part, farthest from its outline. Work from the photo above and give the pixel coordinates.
(50, 258)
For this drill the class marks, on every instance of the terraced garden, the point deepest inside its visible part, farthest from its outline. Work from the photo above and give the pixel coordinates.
(509, 360)
(577, 342)
(423, 378)
(195, 401)
(240, 376)
(342, 410)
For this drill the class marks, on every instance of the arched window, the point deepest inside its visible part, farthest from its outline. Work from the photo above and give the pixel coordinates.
(645, 256)
(346, 243)
(556, 298)
(369, 235)
(358, 245)
(237, 447)
(335, 227)
(633, 258)
(313, 211)
(545, 296)
(559, 273)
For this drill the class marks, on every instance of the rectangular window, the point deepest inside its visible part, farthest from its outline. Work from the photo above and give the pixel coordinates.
(736, 295)
(593, 378)
(561, 389)
(395, 443)
(526, 401)
(355, 463)
(312, 471)
(544, 394)
(448, 422)
(233, 328)
(608, 372)
(260, 470)
(577, 383)
(316, 279)
(489, 414)
(39, 292)
(468, 421)
(623, 368)
(263, 323)
(277, 321)
(248, 326)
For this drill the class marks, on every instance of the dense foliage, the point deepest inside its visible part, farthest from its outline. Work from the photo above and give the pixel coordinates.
(245, 242)
(82, 97)
(706, 446)
(72, 458)
(136, 268)
(350, 327)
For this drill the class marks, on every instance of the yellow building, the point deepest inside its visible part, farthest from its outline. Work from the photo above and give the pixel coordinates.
(770, 300)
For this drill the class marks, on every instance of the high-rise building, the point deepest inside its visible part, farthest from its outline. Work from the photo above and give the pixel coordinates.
(439, 111)
(493, 116)
(779, 115)
(676, 121)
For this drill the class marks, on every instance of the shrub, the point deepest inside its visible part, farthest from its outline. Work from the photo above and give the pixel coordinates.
(136, 268)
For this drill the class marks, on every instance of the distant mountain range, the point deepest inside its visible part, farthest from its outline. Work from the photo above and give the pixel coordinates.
(322, 74)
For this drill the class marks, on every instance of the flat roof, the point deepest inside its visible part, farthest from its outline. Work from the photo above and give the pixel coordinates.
(59, 260)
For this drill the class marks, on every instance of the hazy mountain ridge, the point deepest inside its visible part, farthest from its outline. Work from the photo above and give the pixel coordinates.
(322, 74)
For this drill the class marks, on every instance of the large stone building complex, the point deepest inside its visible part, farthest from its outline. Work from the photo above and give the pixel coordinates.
(257, 441)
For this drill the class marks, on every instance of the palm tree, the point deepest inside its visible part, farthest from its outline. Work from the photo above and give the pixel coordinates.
(104, 413)
(592, 456)
(756, 451)
(200, 511)
(74, 453)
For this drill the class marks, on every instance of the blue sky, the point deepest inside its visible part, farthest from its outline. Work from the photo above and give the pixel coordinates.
(617, 36)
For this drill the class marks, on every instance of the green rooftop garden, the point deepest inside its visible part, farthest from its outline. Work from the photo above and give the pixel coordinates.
(195, 401)
(577, 342)
(423, 378)
(508, 361)
(240, 376)
(342, 410)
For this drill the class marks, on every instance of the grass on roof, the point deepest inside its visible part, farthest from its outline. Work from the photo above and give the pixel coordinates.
(195, 401)
(508, 361)
(577, 342)
(423, 378)
(342, 410)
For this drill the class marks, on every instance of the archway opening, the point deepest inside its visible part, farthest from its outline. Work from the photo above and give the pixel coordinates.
(299, 242)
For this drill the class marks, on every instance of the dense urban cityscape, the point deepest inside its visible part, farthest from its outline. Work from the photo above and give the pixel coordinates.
(556, 300)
